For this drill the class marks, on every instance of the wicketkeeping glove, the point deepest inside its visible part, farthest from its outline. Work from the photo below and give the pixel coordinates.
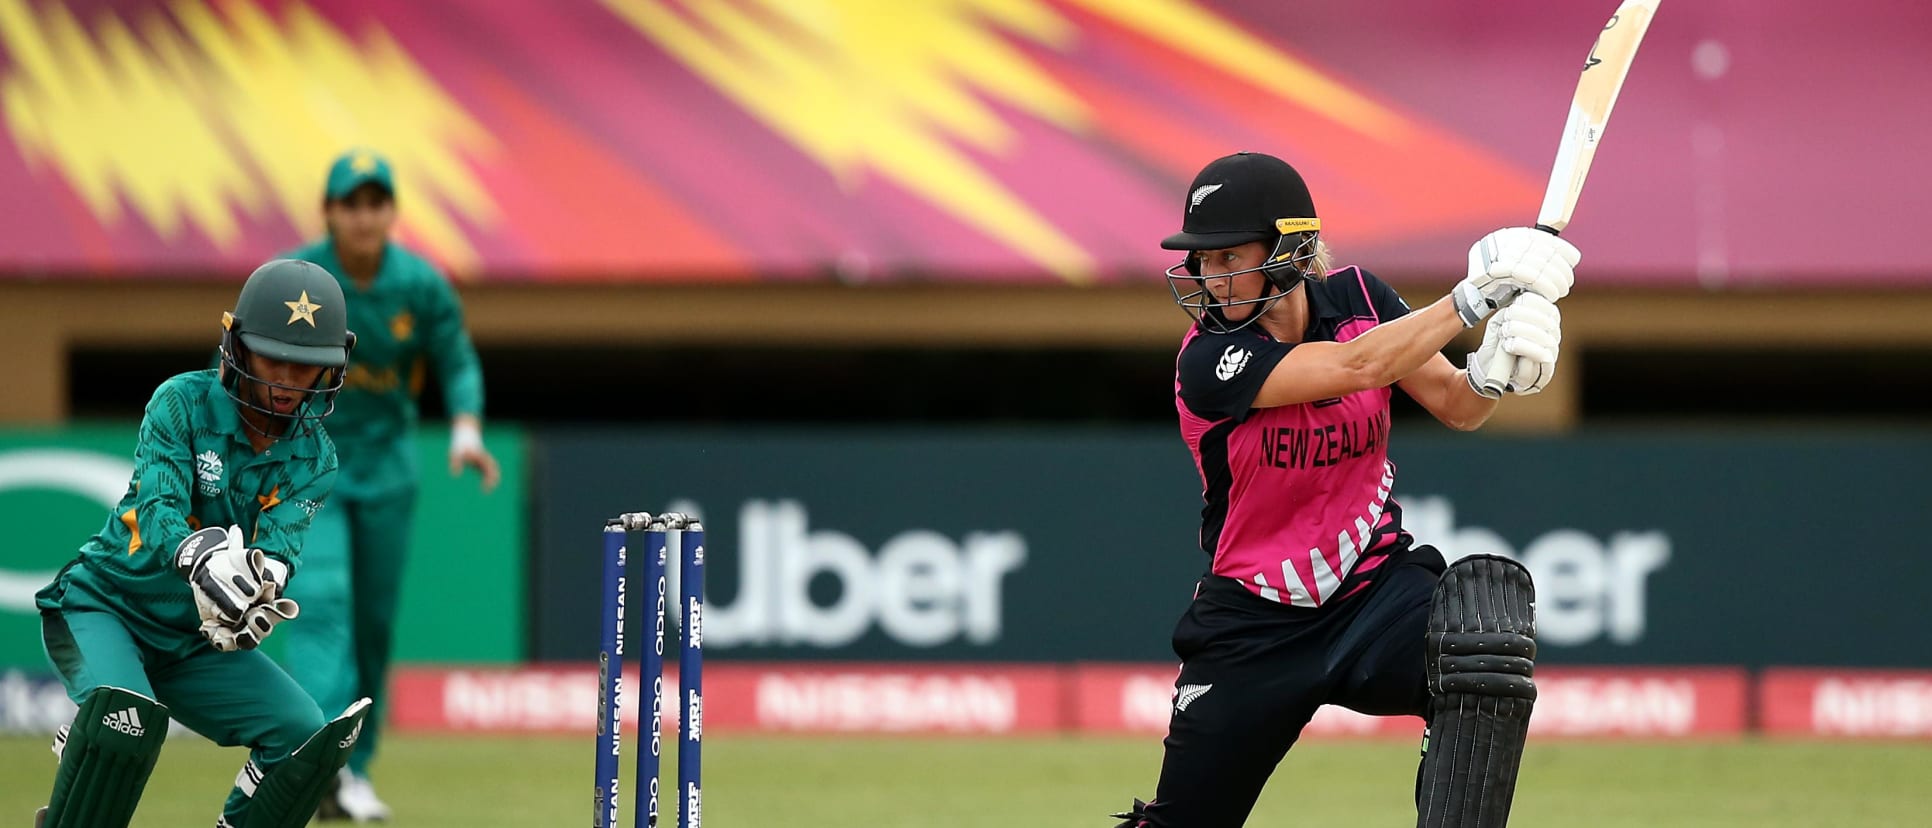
(257, 622)
(219, 568)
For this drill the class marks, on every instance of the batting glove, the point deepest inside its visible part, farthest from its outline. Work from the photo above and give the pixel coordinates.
(1529, 332)
(1510, 262)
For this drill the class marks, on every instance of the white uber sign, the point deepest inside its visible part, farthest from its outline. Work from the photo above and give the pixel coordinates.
(1587, 587)
(921, 588)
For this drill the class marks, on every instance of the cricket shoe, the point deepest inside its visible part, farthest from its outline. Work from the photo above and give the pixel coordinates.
(351, 797)
(1135, 817)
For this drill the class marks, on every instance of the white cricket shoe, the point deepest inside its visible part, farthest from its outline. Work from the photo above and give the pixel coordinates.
(356, 799)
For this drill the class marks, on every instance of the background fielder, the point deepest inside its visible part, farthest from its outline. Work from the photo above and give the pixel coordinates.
(410, 325)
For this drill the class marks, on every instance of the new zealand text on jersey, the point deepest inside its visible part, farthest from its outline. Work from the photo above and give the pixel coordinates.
(1303, 448)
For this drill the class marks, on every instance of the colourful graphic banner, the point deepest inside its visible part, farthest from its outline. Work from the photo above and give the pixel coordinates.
(982, 140)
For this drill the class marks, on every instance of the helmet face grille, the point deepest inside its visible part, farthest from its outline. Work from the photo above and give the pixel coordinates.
(241, 385)
(1284, 269)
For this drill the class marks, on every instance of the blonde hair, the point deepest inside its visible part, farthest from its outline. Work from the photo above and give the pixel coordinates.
(1323, 263)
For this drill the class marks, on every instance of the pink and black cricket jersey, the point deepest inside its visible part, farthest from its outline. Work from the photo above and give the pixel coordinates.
(1295, 498)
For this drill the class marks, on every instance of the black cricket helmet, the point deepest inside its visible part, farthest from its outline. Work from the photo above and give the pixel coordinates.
(1237, 199)
(292, 311)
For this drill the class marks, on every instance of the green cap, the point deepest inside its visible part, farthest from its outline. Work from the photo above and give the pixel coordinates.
(293, 311)
(355, 168)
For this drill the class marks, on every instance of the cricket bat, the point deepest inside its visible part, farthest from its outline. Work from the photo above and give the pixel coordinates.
(1596, 93)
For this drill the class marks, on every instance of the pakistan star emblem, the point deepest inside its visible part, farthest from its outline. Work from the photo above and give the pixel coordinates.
(302, 309)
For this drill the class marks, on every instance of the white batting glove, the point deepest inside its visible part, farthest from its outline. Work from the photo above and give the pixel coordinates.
(1510, 262)
(1528, 332)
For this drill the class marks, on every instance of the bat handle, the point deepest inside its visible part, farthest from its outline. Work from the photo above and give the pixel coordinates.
(1502, 366)
(1497, 373)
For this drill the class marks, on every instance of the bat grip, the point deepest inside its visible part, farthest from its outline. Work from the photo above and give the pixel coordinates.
(1548, 229)
(1496, 374)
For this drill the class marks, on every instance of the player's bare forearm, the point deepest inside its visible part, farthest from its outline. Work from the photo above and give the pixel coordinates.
(1380, 357)
(1394, 350)
(1442, 388)
(1467, 410)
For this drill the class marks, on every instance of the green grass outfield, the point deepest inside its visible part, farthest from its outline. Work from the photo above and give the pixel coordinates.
(476, 782)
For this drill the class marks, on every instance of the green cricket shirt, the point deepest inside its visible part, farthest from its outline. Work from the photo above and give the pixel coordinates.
(407, 323)
(194, 468)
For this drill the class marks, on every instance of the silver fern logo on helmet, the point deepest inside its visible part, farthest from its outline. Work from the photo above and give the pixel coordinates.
(1200, 194)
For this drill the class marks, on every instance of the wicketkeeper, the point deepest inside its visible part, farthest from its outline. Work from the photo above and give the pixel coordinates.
(1315, 594)
(158, 619)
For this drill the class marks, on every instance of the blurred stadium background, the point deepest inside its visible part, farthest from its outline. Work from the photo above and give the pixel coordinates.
(875, 289)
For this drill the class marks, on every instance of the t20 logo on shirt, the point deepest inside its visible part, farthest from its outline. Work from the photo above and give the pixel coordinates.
(1232, 361)
(208, 470)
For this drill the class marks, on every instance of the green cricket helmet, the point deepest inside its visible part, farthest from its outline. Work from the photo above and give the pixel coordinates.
(292, 311)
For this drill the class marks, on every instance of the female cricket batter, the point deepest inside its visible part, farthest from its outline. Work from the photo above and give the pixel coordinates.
(410, 324)
(159, 616)
(1316, 595)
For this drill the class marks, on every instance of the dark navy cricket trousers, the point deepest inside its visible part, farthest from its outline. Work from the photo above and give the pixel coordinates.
(1253, 672)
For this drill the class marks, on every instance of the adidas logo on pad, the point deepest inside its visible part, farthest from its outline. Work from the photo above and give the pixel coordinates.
(127, 721)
